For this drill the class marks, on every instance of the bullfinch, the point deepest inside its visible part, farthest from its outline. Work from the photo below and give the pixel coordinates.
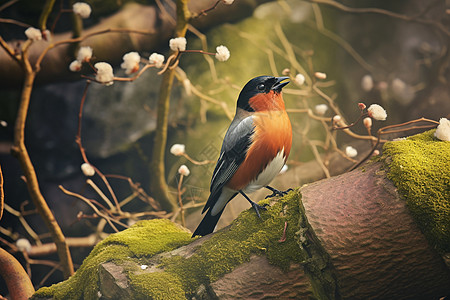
(254, 150)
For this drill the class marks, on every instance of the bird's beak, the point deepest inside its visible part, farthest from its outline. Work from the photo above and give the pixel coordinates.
(278, 85)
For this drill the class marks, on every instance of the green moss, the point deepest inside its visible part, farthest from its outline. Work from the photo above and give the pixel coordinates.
(144, 239)
(246, 236)
(157, 286)
(420, 169)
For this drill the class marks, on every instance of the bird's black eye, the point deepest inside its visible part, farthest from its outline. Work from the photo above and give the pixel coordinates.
(261, 87)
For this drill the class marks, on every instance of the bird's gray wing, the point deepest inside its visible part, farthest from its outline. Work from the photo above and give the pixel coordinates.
(234, 149)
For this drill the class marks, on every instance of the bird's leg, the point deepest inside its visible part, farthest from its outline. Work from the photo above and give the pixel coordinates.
(276, 192)
(255, 206)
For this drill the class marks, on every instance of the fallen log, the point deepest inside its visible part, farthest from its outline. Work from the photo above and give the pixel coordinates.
(353, 236)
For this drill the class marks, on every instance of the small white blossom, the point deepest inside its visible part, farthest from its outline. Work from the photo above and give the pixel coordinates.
(82, 9)
(337, 119)
(23, 245)
(377, 112)
(131, 62)
(178, 44)
(350, 151)
(33, 34)
(321, 109)
(104, 73)
(144, 267)
(75, 66)
(157, 59)
(84, 54)
(223, 54)
(284, 169)
(3, 123)
(367, 83)
(367, 122)
(320, 75)
(87, 170)
(443, 130)
(299, 79)
(228, 2)
(183, 170)
(376, 152)
(177, 149)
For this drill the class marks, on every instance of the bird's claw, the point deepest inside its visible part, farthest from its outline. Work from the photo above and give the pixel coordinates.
(276, 192)
(257, 207)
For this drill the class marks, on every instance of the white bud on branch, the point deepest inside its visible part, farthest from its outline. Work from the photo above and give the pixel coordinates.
(223, 54)
(87, 170)
(104, 73)
(178, 44)
(82, 9)
(177, 149)
(443, 130)
(131, 62)
(84, 54)
(156, 59)
(33, 34)
(184, 170)
(377, 112)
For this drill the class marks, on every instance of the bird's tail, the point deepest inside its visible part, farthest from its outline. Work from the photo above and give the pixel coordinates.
(208, 224)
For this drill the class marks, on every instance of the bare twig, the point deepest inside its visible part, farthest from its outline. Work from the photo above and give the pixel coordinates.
(94, 208)
(83, 152)
(8, 4)
(369, 10)
(180, 202)
(395, 129)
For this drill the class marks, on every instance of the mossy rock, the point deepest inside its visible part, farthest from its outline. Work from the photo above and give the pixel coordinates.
(183, 276)
(419, 166)
(142, 240)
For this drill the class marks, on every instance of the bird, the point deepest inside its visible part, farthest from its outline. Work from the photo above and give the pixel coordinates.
(254, 150)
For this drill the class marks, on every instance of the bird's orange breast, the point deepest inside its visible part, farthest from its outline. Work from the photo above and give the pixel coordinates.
(273, 133)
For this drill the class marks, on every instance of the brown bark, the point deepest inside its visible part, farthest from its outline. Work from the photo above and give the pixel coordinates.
(375, 246)
(17, 280)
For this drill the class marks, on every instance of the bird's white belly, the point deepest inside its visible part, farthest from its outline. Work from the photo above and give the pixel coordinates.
(268, 174)
(263, 179)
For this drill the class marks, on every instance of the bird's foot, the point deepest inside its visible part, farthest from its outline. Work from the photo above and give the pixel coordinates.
(276, 192)
(257, 207)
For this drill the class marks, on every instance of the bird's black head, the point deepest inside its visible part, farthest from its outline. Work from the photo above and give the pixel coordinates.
(259, 85)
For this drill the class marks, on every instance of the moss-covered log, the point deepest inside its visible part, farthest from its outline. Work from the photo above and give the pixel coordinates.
(348, 237)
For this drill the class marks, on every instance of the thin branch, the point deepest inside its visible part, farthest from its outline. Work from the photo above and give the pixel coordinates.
(180, 202)
(95, 209)
(8, 4)
(24, 223)
(370, 10)
(395, 129)
(15, 22)
(83, 152)
(82, 38)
